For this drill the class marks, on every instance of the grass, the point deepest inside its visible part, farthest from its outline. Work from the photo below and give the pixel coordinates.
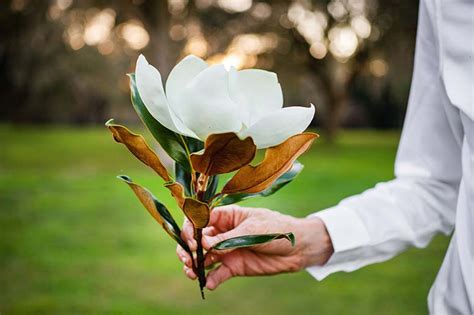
(73, 239)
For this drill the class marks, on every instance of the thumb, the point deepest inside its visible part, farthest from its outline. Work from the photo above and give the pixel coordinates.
(209, 241)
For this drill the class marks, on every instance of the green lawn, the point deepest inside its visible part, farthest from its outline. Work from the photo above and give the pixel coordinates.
(73, 239)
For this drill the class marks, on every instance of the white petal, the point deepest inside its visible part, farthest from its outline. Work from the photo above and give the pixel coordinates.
(205, 105)
(257, 92)
(151, 91)
(181, 75)
(278, 126)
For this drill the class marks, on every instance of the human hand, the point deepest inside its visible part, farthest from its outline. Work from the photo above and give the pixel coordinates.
(313, 244)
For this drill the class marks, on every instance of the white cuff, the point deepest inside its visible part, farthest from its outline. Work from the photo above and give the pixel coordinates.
(347, 231)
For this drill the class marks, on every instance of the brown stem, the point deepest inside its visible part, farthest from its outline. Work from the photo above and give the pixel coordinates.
(201, 185)
(193, 181)
(201, 273)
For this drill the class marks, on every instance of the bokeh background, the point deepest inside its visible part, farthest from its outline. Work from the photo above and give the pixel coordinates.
(74, 240)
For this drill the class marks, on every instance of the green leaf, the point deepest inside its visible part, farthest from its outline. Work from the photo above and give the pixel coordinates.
(251, 240)
(184, 178)
(182, 175)
(173, 143)
(194, 145)
(157, 210)
(211, 187)
(282, 181)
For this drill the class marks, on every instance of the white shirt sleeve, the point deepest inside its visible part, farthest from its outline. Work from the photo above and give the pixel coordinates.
(421, 201)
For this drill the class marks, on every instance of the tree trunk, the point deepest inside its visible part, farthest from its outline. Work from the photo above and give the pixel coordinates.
(158, 24)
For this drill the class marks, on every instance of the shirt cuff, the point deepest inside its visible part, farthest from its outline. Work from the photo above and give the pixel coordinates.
(347, 231)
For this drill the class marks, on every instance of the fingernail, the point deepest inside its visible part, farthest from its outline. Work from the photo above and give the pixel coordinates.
(207, 241)
(209, 285)
(192, 243)
(183, 259)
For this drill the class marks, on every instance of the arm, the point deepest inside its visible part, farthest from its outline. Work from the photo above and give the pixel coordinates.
(409, 210)
(370, 227)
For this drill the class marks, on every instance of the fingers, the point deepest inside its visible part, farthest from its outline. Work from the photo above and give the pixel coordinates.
(188, 234)
(218, 276)
(189, 272)
(210, 231)
(222, 219)
(211, 259)
(208, 241)
(223, 224)
(183, 256)
(227, 217)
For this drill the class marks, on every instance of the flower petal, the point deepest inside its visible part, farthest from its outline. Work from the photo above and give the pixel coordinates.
(181, 75)
(257, 92)
(151, 91)
(278, 126)
(204, 105)
(150, 88)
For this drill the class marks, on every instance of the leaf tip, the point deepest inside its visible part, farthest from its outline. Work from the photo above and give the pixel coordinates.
(124, 178)
(291, 238)
(109, 122)
(297, 166)
(314, 134)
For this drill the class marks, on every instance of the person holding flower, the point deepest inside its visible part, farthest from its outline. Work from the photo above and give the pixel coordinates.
(433, 191)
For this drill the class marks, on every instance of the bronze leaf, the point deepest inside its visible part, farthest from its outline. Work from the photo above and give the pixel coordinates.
(277, 160)
(223, 153)
(136, 144)
(197, 212)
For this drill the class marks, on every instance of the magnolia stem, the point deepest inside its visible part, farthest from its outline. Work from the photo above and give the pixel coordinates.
(201, 186)
(201, 273)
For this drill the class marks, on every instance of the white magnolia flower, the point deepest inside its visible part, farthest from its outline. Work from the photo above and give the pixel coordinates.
(201, 100)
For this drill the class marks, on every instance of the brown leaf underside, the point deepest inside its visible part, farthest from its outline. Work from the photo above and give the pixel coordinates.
(197, 212)
(145, 198)
(278, 160)
(223, 153)
(177, 191)
(138, 146)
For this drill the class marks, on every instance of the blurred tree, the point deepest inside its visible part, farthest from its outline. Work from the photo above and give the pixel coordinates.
(330, 43)
(64, 60)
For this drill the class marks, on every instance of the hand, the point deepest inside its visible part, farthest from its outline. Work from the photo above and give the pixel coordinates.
(313, 244)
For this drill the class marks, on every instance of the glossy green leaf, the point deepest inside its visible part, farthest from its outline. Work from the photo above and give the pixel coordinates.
(157, 210)
(211, 187)
(194, 145)
(173, 143)
(282, 181)
(251, 240)
(183, 177)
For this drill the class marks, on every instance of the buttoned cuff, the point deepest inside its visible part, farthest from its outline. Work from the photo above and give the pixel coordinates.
(347, 232)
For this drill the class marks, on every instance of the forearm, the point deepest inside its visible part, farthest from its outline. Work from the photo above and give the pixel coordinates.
(313, 243)
(383, 221)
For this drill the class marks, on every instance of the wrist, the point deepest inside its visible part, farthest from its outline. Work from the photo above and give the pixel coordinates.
(313, 243)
